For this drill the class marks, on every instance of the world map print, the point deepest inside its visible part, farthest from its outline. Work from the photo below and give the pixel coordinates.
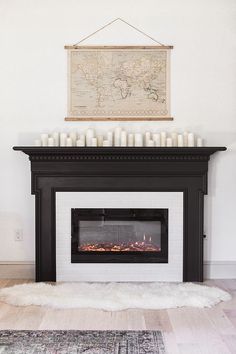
(118, 83)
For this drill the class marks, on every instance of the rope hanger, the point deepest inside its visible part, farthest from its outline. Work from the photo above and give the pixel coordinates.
(113, 21)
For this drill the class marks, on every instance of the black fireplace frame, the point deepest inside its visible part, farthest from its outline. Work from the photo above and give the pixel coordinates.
(123, 257)
(168, 169)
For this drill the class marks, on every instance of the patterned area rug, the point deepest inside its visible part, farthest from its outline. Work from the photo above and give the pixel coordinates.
(78, 342)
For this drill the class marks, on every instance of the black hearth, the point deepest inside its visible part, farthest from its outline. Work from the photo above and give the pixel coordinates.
(119, 235)
(168, 169)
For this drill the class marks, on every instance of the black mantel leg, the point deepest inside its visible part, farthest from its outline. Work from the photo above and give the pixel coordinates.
(45, 248)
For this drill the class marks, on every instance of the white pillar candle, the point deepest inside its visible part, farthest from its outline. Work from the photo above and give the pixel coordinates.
(73, 136)
(163, 138)
(174, 137)
(130, 139)
(147, 138)
(63, 137)
(190, 139)
(50, 141)
(138, 139)
(150, 143)
(55, 136)
(185, 137)
(80, 142)
(37, 142)
(89, 135)
(44, 139)
(157, 139)
(94, 142)
(106, 143)
(117, 136)
(82, 137)
(180, 140)
(199, 142)
(110, 137)
(100, 140)
(123, 138)
(69, 142)
(169, 142)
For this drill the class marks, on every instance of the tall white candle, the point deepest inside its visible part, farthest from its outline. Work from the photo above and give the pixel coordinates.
(50, 141)
(138, 139)
(117, 136)
(44, 139)
(82, 138)
(180, 140)
(69, 142)
(185, 136)
(94, 142)
(123, 138)
(157, 139)
(37, 142)
(199, 142)
(55, 136)
(191, 139)
(106, 143)
(110, 137)
(100, 140)
(89, 135)
(80, 142)
(147, 138)
(163, 138)
(150, 143)
(130, 139)
(174, 137)
(73, 136)
(63, 137)
(169, 142)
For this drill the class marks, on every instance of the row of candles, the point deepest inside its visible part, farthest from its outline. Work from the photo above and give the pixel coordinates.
(119, 137)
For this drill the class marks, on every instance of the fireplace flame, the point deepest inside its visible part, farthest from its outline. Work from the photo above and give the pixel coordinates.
(137, 246)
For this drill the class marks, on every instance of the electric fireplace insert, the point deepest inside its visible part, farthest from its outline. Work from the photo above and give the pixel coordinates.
(119, 235)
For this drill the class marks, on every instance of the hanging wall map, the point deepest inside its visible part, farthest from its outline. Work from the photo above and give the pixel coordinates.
(118, 83)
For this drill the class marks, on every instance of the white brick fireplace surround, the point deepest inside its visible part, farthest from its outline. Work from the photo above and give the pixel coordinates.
(67, 271)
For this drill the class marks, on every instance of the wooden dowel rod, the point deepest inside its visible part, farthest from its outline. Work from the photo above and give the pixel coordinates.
(118, 47)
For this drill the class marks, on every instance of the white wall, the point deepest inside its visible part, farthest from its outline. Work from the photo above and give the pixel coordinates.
(33, 94)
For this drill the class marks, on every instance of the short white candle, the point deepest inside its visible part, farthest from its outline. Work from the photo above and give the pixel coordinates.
(163, 138)
(110, 137)
(138, 139)
(37, 142)
(89, 135)
(185, 136)
(174, 137)
(180, 140)
(169, 142)
(94, 142)
(100, 140)
(199, 142)
(63, 137)
(73, 136)
(80, 142)
(69, 142)
(130, 139)
(157, 139)
(117, 136)
(191, 139)
(123, 138)
(44, 139)
(147, 138)
(106, 143)
(50, 141)
(150, 143)
(55, 136)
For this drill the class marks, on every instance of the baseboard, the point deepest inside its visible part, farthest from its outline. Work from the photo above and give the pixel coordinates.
(17, 270)
(220, 270)
(26, 270)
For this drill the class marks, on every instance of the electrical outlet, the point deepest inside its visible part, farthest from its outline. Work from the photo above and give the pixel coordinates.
(18, 235)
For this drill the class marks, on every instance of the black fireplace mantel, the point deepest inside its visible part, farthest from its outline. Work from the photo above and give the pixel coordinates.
(57, 169)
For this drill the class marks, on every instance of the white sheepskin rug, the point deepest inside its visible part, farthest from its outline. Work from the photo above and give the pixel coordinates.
(114, 296)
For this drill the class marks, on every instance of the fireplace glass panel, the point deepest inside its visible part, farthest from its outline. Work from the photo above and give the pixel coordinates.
(119, 231)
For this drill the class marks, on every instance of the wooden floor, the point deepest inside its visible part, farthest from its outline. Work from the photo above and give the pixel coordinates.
(186, 330)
